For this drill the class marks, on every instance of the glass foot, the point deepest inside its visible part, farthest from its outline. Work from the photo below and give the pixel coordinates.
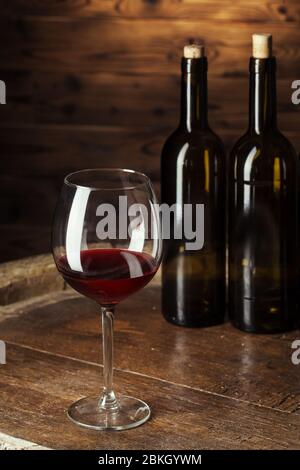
(130, 413)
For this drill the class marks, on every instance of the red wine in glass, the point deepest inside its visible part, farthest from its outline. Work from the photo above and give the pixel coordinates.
(109, 275)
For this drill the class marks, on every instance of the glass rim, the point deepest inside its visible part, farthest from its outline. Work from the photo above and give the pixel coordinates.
(145, 178)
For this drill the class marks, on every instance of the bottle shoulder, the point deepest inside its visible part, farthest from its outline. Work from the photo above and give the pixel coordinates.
(270, 142)
(196, 140)
(255, 157)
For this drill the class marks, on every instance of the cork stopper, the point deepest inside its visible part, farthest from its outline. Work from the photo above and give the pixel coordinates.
(262, 46)
(193, 51)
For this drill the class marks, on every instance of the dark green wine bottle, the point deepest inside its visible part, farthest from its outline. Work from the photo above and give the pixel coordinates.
(193, 172)
(263, 197)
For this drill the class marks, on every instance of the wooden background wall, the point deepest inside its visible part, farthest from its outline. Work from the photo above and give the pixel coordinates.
(96, 83)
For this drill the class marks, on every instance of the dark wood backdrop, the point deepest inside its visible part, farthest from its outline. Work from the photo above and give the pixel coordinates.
(96, 83)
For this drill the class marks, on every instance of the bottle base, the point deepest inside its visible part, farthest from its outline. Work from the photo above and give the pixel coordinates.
(266, 325)
(195, 324)
(263, 315)
(261, 330)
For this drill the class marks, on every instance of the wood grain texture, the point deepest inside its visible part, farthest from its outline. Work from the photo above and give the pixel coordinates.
(137, 100)
(11, 443)
(251, 10)
(45, 156)
(47, 153)
(28, 279)
(96, 83)
(19, 240)
(144, 46)
(212, 388)
(182, 418)
(221, 360)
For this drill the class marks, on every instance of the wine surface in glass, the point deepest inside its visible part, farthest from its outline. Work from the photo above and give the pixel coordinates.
(109, 275)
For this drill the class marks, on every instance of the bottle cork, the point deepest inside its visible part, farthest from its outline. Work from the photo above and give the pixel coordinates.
(193, 51)
(262, 46)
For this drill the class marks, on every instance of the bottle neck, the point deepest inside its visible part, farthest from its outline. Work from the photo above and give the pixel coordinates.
(194, 94)
(262, 97)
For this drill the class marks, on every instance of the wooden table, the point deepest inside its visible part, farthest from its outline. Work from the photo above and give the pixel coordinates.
(212, 388)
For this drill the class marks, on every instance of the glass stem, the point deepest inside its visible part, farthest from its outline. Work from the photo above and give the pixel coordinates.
(108, 400)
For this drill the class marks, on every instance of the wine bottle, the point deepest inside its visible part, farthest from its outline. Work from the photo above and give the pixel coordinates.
(263, 197)
(193, 172)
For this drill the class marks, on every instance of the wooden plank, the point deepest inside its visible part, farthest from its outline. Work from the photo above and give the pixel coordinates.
(51, 152)
(183, 418)
(101, 98)
(252, 10)
(45, 158)
(145, 46)
(221, 360)
(54, 151)
(12, 443)
(47, 153)
(26, 279)
(19, 240)
(28, 200)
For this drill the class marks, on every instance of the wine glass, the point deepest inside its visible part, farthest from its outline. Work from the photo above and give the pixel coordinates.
(106, 243)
